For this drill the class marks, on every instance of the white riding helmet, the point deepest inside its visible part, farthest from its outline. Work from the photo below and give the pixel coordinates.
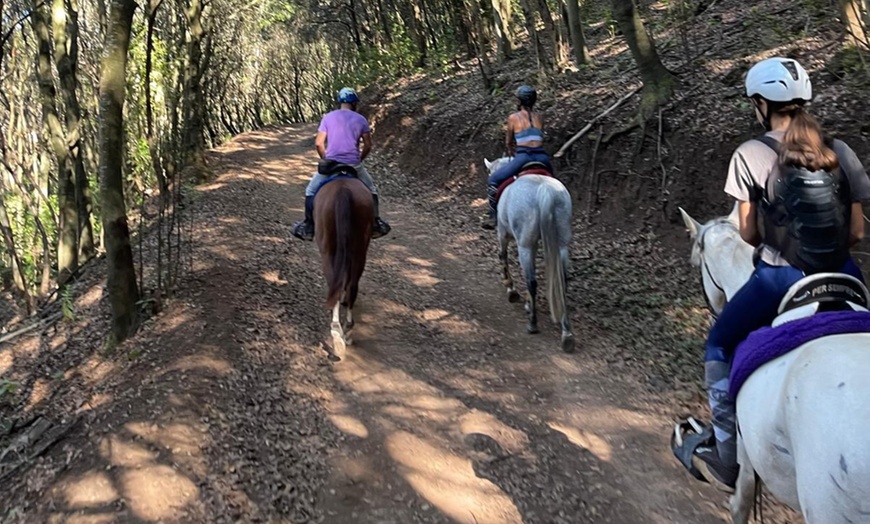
(779, 80)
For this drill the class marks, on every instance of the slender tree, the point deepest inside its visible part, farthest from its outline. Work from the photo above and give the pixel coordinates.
(123, 291)
(65, 16)
(575, 28)
(658, 82)
(855, 15)
(54, 133)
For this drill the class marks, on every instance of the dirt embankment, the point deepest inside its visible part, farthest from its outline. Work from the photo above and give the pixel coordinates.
(438, 128)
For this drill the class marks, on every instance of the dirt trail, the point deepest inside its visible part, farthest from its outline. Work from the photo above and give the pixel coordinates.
(444, 411)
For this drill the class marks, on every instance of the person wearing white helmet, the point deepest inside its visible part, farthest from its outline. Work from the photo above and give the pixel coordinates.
(338, 144)
(792, 163)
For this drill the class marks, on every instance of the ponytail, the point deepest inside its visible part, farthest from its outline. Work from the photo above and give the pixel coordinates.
(803, 144)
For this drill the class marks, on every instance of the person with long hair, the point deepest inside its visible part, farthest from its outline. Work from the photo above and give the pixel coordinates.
(792, 179)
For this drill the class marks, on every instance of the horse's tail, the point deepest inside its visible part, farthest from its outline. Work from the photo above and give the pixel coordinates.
(341, 260)
(554, 270)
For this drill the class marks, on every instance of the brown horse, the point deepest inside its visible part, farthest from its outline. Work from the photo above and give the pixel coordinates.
(343, 220)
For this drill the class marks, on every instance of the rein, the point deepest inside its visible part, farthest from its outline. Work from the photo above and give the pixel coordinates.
(706, 268)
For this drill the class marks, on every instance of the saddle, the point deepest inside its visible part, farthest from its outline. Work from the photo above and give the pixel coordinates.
(822, 292)
(529, 168)
(817, 306)
(332, 168)
(333, 171)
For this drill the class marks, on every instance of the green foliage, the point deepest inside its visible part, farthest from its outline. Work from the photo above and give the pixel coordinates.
(68, 306)
(7, 387)
(850, 62)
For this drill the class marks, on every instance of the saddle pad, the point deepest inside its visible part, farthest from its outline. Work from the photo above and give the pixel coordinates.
(504, 185)
(768, 343)
(330, 179)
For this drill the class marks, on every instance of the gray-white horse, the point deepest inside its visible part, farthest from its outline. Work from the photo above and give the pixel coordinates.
(804, 417)
(537, 207)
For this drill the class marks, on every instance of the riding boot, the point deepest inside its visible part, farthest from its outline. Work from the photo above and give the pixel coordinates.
(489, 220)
(305, 230)
(720, 462)
(381, 228)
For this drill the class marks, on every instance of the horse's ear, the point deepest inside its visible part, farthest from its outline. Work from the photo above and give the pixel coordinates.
(691, 224)
(487, 163)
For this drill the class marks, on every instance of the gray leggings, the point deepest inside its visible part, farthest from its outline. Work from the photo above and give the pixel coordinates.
(361, 172)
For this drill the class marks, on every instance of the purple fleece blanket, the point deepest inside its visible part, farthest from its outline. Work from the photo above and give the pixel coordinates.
(768, 343)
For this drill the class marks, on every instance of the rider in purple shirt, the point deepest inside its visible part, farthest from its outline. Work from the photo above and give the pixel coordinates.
(338, 139)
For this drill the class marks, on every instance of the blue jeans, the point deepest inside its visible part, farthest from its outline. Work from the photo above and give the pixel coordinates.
(524, 156)
(753, 307)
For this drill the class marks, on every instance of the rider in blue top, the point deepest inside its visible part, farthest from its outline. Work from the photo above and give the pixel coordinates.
(524, 138)
(778, 88)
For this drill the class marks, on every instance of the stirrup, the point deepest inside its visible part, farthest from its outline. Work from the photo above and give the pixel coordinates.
(687, 437)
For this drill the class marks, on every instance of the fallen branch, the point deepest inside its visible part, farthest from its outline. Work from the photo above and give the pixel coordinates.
(55, 434)
(592, 122)
(36, 325)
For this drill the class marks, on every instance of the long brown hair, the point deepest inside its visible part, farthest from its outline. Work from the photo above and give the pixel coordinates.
(803, 144)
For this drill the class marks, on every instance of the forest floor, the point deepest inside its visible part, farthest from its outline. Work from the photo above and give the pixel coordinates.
(226, 407)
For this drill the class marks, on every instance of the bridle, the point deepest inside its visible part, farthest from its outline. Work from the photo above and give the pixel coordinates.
(706, 268)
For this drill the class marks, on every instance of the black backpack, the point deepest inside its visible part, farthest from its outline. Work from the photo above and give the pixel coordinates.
(808, 218)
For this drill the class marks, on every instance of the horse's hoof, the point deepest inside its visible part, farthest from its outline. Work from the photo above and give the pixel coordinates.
(532, 329)
(339, 345)
(568, 343)
(513, 296)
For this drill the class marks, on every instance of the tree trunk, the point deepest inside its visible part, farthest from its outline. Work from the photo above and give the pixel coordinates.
(575, 28)
(357, 39)
(53, 132)
(123, 291)
(535, 37)
(193, 139)
(854, 19)
(553, 31)
(66, 50)
(9, 241)
(385, 23)
(501, 10)
(658, 82)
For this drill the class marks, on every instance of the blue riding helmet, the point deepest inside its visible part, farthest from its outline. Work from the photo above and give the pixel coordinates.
(347, 96)
(527, 95)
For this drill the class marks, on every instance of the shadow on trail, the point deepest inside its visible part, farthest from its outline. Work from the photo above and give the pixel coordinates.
(225, 407)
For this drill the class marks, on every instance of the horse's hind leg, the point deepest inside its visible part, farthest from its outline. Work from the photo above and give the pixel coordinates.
(350, 297)
(503, 240)
(744, 492)
(565, 322)
(339, 347)
(527, 261)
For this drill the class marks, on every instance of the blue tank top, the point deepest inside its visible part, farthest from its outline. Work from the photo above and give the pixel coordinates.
(530, 134)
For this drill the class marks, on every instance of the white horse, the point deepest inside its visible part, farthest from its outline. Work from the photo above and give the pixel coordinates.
(537, 207)
(803, 418)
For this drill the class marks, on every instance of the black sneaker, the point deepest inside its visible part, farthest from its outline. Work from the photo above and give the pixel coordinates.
(706, 460)
(303, 230)
(381, 228)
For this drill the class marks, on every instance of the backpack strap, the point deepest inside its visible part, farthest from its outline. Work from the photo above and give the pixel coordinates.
(770, 142)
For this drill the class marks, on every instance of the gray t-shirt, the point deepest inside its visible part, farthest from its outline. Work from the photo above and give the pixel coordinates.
(754, 164)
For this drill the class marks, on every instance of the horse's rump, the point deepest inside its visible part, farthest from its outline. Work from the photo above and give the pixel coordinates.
(343, 218)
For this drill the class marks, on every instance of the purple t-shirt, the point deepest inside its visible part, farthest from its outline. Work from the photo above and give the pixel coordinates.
(343, 130)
